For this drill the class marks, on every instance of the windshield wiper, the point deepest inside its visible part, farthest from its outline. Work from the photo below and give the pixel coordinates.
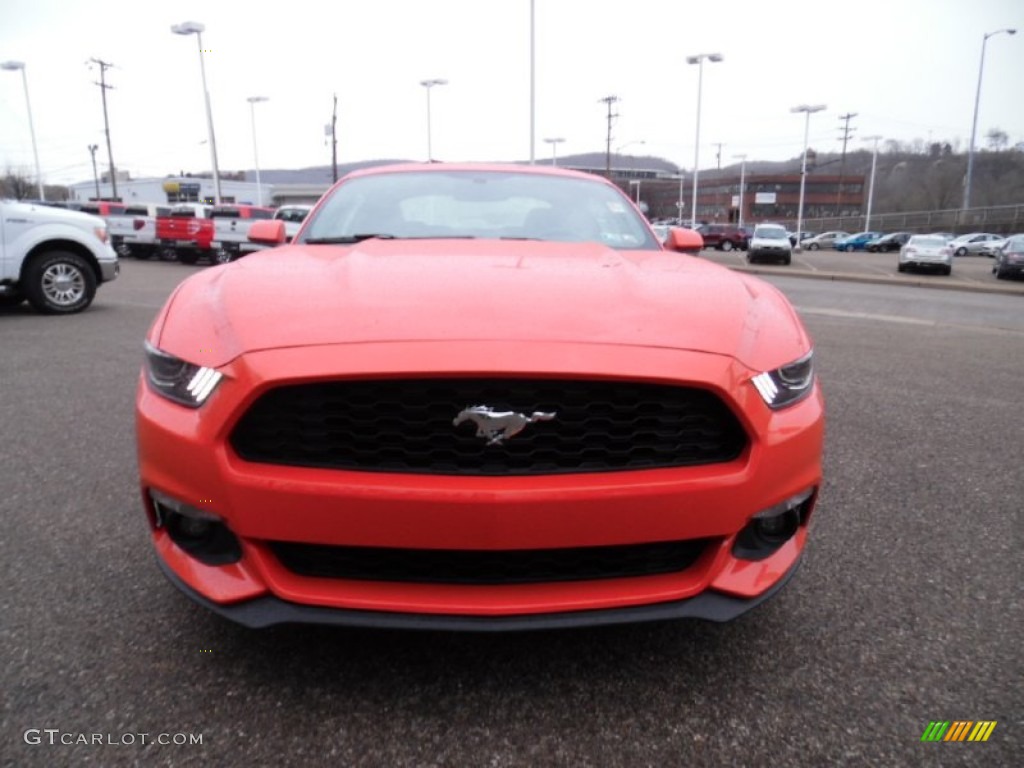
(348, 239)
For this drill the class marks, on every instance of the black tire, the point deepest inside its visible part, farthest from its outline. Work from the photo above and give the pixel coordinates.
(787, 260)
(901, 267)
(59, 283)
(813, 247)
(223, 256)
(168, 254)
(727, 245)
(999, 273)
(751, 259)
(947, 271)
(961, 251)
(188, 257)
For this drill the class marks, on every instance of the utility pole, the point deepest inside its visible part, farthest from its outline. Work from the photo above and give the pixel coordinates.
(847, 130)
(334, 140)
(609, 100)
(95, 175)
(104, 66)
(718, 155)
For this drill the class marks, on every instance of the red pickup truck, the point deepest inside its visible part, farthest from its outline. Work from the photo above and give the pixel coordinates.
(186, 231)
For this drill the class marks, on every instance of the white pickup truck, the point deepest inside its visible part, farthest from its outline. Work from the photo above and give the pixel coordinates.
(231, 229)
(53, 257)
(133, 233)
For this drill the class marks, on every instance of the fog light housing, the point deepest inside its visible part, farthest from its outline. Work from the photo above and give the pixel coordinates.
(200, 533)
(770, 528)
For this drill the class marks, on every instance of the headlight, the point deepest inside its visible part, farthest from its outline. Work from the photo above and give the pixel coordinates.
(787, 384)
(178, 380)
(101, 233)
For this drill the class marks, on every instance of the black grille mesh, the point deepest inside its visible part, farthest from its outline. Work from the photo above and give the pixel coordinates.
(406, 426)
(487, 567)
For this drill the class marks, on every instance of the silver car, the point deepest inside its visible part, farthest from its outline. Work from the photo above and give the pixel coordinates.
(926, 252)
(973, 243)
(824, 240)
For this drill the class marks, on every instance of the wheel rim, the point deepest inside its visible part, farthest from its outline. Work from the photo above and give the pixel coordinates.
(63, 284)
(222, 257)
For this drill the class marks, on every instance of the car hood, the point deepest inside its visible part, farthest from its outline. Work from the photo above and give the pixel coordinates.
(431, 290)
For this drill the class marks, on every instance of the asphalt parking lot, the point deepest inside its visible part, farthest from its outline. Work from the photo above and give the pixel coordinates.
(971, 273)
(906, 610)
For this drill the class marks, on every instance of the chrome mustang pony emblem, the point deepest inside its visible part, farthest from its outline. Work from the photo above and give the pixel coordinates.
(497, 426)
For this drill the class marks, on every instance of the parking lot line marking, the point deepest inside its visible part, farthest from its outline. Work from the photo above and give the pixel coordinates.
(809, 265)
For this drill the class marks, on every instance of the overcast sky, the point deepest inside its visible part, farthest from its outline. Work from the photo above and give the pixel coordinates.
(908, 68)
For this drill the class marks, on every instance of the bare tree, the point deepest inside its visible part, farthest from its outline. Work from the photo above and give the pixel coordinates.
(997, 139)
(17, 185)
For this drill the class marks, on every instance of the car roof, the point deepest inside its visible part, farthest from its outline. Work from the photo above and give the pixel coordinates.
(540, 170)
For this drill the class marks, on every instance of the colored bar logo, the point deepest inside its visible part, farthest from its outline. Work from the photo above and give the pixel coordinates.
(958, 730)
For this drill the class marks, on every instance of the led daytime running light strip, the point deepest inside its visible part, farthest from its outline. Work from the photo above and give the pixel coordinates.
(202, 383)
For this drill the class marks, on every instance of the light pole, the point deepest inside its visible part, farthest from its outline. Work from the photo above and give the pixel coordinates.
(807, 110)
(428, 84)
(533, 88)
(628, 144)
(743, 180)
(554, 142)
(95, 175)
(253, 101)
(699, 61)
(13, 66)
(195, 28)
(680, 205)
(974, 124)
(636, 183)
(871, 187)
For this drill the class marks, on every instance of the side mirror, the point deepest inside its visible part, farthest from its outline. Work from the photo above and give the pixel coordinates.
(267, 232)
(684, 241)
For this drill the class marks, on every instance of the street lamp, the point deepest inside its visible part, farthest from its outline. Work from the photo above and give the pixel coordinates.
(428, 84)
(807, 110)
(974, 124)
(699, 61)
(197, 29)
(12, 66)
(636, 183)
(253, 101)
(743, 178)
(871, 187)
(554, 142)
(628, 144)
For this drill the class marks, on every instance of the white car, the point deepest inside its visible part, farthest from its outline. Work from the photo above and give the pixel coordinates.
(53, 257)
(770, 242)
(926, 252)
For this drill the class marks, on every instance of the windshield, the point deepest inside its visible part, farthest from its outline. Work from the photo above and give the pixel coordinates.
(927, 241)
(479, 204)
(770, 233)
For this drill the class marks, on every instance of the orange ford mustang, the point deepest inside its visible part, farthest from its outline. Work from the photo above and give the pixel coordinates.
(477, 397)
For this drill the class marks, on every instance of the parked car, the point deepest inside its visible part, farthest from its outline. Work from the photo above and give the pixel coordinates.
(894, 241)
(770, 243)
(1009, 260)
(948, 236)
(53, 258)
(661, 231)
(799, 237)
(185, 233)
(972, 244)
(411, 416)
(724, 237)
(133, 232)
(991, 247)
(824, 240)
(856, 242)
(292, 215)
(926, 252)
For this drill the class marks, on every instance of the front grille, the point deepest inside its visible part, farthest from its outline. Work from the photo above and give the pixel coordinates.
(406, 426)
(432, 566)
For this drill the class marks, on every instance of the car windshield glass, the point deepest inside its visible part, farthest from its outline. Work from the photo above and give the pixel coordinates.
(770, 233)
(480, 204)
(928, 242)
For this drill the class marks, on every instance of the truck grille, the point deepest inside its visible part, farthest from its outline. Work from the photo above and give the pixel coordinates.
(406, 426)
(428, 566)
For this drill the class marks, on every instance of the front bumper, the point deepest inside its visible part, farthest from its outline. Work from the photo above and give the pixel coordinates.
(186, 454)
(109, 265)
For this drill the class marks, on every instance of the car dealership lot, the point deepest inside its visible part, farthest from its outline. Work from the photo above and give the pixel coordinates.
(906, 610)
(969, 272)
